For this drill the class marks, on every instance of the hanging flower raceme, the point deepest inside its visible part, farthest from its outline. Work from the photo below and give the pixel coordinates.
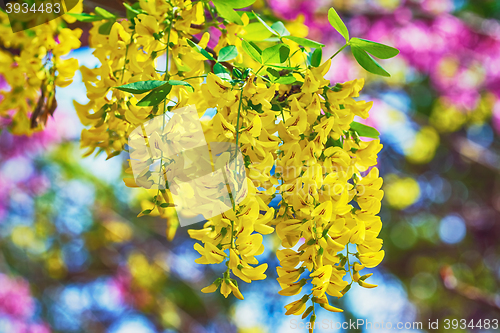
(33, 64)
(294, 135)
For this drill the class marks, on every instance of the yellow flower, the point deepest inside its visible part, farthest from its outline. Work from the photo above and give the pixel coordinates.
(213, 287)
(321, 280)
(371, 259)
(297, 307)
(148, 33)
(227, 287)
(210, 254)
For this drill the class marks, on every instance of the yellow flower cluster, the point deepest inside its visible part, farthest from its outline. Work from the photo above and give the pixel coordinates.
(32, 63)
(130, 53)
(326, 202)
(293, 128)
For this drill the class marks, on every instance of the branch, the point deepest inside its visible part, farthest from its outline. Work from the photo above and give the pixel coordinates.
(468, 291)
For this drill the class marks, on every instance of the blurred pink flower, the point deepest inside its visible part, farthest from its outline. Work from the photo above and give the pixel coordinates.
(15, 297)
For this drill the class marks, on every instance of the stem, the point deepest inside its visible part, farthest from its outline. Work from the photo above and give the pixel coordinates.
(168, 49)
(238, 123)
(265, 79)
(348, 264)
(194, 77)
(294, 54)
(236, 159)
(164, 107)
(259, 70)
(126, 56)
(340, 50)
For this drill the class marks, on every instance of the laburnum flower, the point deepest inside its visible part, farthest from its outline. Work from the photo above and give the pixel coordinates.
(319, 171)
(149, 33)
(33, 74)
(295, 140)
(236, 236)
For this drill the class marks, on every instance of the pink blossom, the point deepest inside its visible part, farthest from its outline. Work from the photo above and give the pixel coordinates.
(15, 297)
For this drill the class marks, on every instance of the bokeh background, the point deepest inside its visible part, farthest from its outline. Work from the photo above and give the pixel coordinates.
(75, 258)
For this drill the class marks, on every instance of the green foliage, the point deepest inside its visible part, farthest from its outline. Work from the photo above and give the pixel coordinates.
(252, 51)
(156, 96)
(225, 8)
(84, 17)
(105, 28)
(222, 72)
(104, 13)
(255, 31)
(271, 30)
(228, 53)
(361, 47)
(367, 62)
(378, 50)
(141, 87)
(304, 41)
(101, 14)
(316, 56)
(337, 23)
(275, 54)
(280, 29)
(364, 130)
(181, 83)
(276, 77)
(200, 50)
(239, 3)
(133, 11)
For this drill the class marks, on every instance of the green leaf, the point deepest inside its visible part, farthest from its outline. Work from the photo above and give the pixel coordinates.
(277, 78)
(237, 73)
(156, 96)
(86, 17)
(316, 57)
(222, 72)
(286, 79)
(367, 62)
(251, 51)
(200, 49)
(284, 52)
(227, 12)
(275, 54)
(132, 9)
(304, 41)
(181, 83)
(273, 72)
(239, 3)
(272, 39)
(279, 27)
(271, 30)
(246, 72)
(378, 50)
(337, 23)
(330, 142)
(141, 87)
(104, 13)
(227, 53)
(132, 13)
(284, 67)
(105, 28)
(255, 46)
(363, 130)
(256, 31)
(165, 205)
(146, 211)
(251, 16)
